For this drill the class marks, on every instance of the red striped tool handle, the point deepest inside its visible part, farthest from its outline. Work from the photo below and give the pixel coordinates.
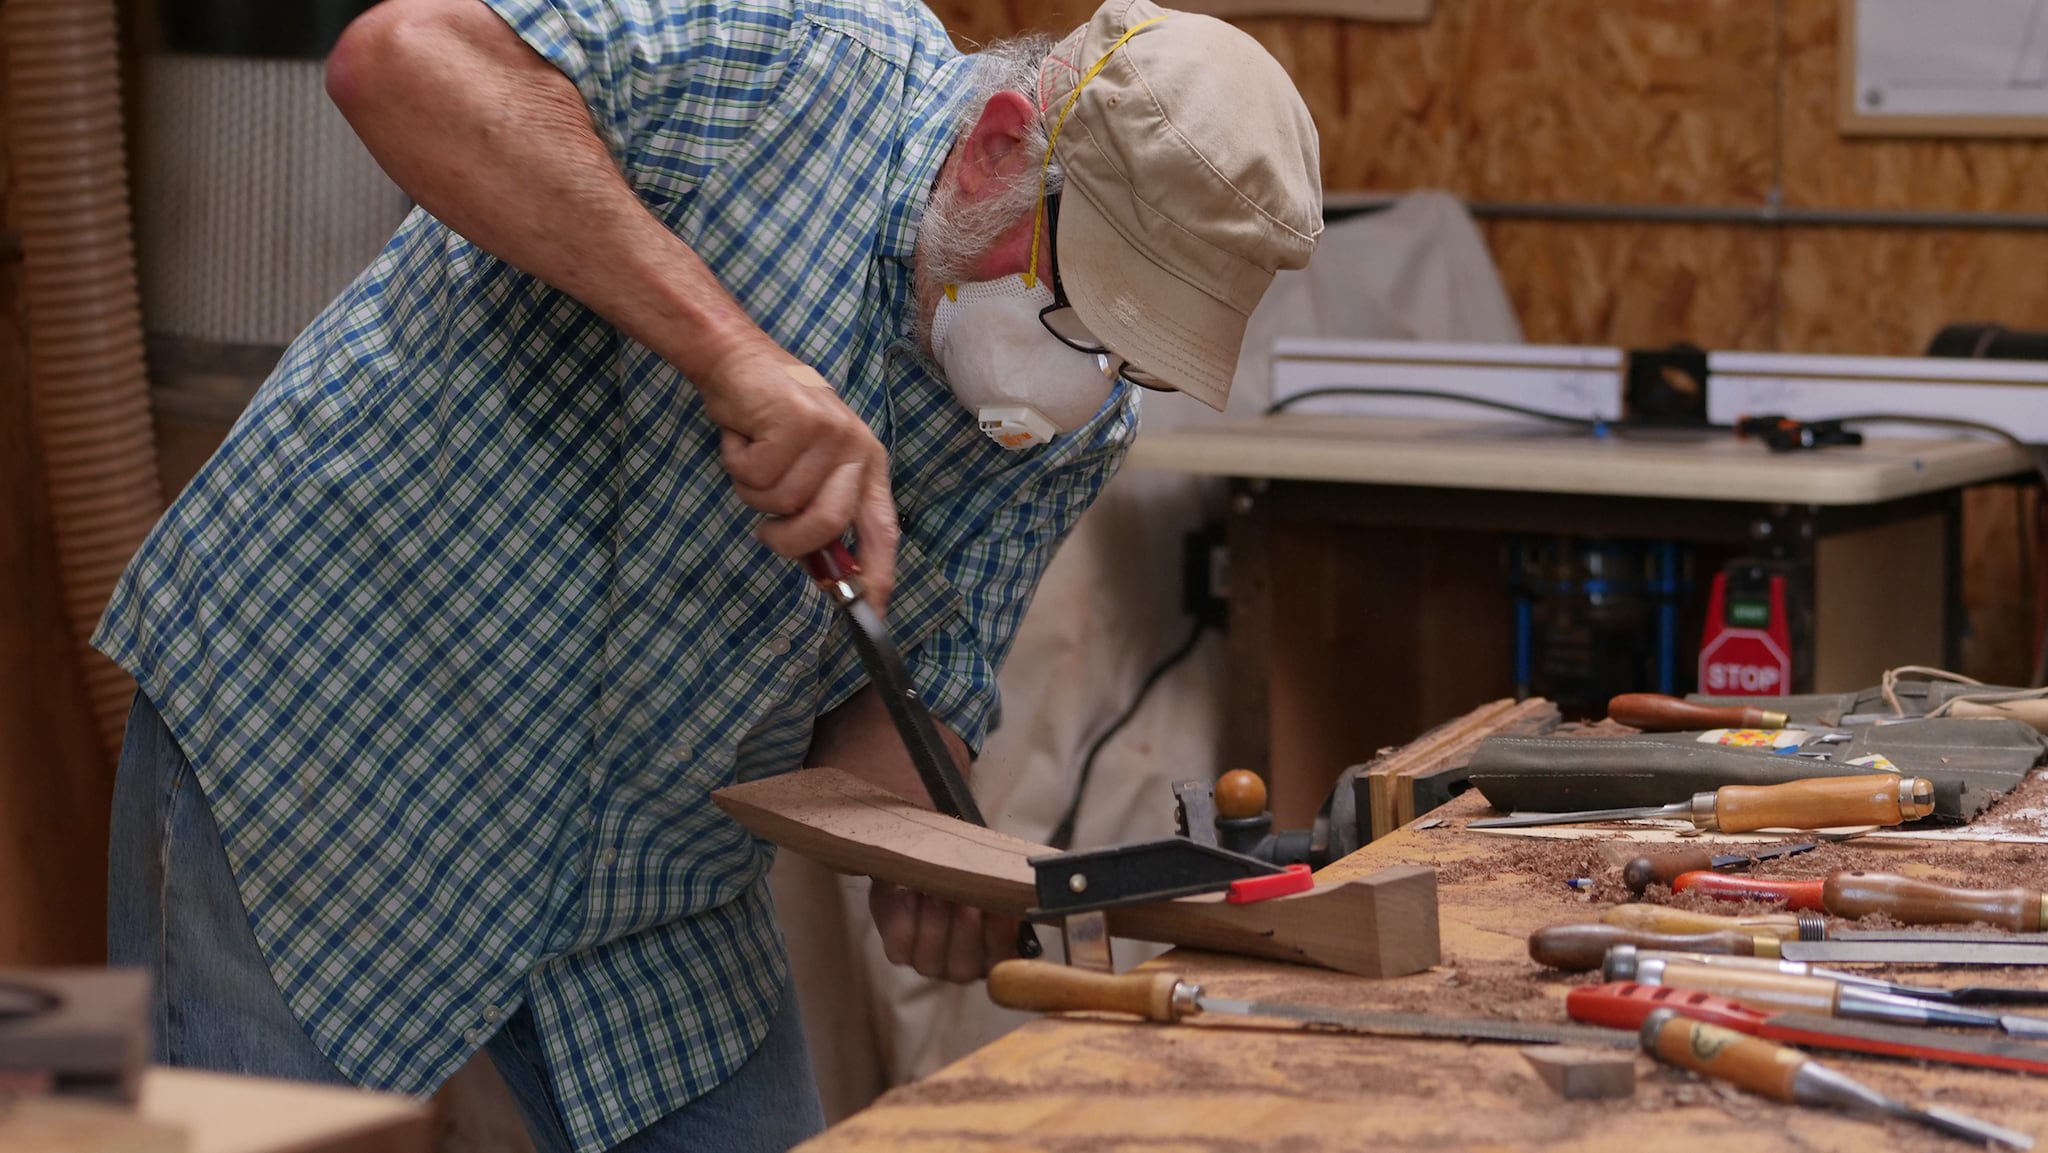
(1721, 886)
(1624, 1005)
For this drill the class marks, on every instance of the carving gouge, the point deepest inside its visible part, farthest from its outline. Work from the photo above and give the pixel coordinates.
(1812, 803)
(1807, 994)
(1657, 713)
(1663, 868)
(835, 571)
(1625, 1005)
(1803, 926)
(1795, 894)
(1966, 995)
(1924, 903)
(1784, 1074)
(1043, 987)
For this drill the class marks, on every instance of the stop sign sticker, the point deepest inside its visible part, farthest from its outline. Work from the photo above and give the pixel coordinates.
(1744, 663)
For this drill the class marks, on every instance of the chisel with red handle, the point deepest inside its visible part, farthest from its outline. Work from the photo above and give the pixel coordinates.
(1788, 1075)
(1625, 1004)
(1657, 713)
(1721, 886)
(1664, 868)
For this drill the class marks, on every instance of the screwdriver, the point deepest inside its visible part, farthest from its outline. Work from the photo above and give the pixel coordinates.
(1800, 926)
(1663, 868)
(1811, 803)
(1969, 994)
(1786, 1074)
(1657, 713)
(1917, 902)
(1808, 994)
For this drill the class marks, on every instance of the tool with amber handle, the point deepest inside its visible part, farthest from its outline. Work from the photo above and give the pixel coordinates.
(1786, 1074)
(1951, 995)
(1810, 803)
(1801, 926)
(1796, 993)
(1916, 902)
(1657, 713)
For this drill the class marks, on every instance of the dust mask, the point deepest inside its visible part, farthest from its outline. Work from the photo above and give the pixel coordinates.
(1023, 386)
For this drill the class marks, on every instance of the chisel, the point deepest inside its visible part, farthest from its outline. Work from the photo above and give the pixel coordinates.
(1722, 887)
(1786, 992)
(1581, 948)
(1917, 902)
(1043, 987)
(1916, 952)
(1657, 713)
(834, 570)
(1964, 995)
(1803, 926)
(1624, 1005)
(1663, 868)
(1810, 803)
(1788, 1075)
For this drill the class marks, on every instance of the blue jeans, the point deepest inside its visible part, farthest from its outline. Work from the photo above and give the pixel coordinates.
(173, 909)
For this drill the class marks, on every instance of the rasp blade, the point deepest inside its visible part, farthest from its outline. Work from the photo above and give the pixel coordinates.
(891, 678)
(1422, 1024)
(1913, 953)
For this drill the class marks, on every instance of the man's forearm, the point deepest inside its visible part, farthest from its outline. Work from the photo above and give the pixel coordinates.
(859, 738)
(499, 145)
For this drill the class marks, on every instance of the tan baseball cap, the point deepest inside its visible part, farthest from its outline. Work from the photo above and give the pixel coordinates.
(1192, 176)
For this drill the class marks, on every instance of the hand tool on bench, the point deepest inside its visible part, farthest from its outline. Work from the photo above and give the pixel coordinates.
(1664, 868)
(1916, 902)
(1657, 713)
(1810, 803)
(1043, 987)
(1962, 995)
(1583, 947)
(1624, 1005)
(1803, 926)
(1808, 994)
(1804, 894)
(834, 570)
(1785, 1074)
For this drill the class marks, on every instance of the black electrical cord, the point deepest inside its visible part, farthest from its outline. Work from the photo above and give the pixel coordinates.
(1063, 834)
(1587, 422)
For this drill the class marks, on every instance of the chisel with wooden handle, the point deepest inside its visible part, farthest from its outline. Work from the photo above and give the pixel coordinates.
(1803, 926)
(1810, 803)
(1916, 902)
(1664, 868)
(1581, 948)
(1786, 1074)
(1625, 1005)
(1963, 995)
(1796, 894)
(1043, 987)
(1657, 713)
(1792, 993)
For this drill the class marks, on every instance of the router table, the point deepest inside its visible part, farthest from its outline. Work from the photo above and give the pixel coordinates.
(1071, 1084)
(1367, 601)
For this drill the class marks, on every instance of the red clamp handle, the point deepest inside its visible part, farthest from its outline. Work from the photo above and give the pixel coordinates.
(1292, 879)
(1625, 1004)
(1721, 886)
(832, 564)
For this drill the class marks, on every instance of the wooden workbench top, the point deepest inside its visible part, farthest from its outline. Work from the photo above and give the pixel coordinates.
(1068, 1085)
(1524, 457)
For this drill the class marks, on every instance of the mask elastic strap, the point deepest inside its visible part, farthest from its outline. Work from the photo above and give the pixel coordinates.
(1045, 168)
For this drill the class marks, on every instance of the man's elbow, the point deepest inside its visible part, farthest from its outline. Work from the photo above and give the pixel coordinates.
(394, 41)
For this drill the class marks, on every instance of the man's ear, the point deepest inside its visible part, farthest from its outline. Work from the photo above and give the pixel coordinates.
(994, 148)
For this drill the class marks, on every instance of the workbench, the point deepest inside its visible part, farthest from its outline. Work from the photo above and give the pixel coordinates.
(1365, 585)
(1074, 1084)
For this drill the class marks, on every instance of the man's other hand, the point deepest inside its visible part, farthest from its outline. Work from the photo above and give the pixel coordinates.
(796, 452)
(938, 938)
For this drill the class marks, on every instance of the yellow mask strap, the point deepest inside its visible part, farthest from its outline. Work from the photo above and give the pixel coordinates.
(1045, 169)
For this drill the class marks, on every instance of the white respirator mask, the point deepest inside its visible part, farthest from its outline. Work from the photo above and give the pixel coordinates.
(1023, 386)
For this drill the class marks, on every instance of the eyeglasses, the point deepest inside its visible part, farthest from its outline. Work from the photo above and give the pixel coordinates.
(1060, 319)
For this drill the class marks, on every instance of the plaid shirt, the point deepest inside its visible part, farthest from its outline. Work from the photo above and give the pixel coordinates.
(464, 622)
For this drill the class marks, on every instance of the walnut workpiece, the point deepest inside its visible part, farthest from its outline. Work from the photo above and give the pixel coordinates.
(1383, 925)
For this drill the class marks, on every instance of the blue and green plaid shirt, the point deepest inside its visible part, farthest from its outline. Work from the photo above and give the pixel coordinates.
(464, 622)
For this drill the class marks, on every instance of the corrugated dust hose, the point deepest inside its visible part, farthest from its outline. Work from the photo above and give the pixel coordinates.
(87, 385)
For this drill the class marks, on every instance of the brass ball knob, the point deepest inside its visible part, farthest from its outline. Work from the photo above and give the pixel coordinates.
(1240, 793)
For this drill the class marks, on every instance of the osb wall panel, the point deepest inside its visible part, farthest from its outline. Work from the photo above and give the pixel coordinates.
(1616, 100)
(1826, 169)
(1638, 285)
(1888, 291)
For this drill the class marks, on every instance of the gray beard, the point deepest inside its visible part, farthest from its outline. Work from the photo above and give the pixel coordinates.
(956, 234)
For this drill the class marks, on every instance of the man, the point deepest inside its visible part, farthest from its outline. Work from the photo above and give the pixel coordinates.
(443, 652)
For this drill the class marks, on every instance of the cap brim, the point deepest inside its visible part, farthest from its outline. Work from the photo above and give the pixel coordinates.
(1150, 317)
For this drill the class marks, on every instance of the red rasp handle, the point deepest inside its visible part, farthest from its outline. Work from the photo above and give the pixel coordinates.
(1624, 1004)
(1721, 886)
(832, 564)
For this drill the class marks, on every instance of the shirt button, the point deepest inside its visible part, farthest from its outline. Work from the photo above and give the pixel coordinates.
(473, 1036)
(490, 1012)
(608, 857)
(680, 752)
(779, 646)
